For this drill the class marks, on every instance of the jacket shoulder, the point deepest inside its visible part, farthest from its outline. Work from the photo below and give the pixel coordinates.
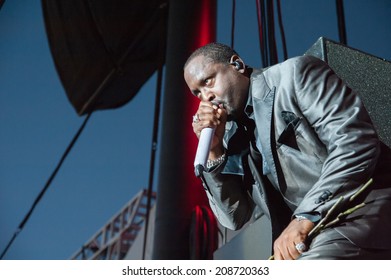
(301, 62)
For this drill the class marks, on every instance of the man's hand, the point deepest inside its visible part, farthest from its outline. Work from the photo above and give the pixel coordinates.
(211, 115)
(296, 232)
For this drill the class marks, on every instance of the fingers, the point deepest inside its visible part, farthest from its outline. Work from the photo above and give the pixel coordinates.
(291, 243)
(207, 115)
(286, 251)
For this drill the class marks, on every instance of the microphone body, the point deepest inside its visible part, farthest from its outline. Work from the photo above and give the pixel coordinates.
(203, 150)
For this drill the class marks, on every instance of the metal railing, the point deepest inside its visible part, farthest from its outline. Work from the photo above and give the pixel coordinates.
(113, 241)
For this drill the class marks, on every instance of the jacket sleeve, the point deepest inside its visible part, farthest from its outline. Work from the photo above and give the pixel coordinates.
(341, 122)
(228, 197)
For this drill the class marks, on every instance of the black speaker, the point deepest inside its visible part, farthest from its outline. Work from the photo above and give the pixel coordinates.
(366, 74)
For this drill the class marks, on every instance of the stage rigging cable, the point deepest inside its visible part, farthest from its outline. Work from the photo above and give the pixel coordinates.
(341, 22)
(266, 29)
(233, 24)
(46, 187)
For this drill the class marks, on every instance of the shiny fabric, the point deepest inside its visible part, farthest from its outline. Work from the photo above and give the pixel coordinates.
(331, 245)
(319, 144)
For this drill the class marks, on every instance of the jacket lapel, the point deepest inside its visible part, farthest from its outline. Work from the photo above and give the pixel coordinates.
(263, 98)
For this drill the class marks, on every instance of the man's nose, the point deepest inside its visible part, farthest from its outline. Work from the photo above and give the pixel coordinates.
(207, 95)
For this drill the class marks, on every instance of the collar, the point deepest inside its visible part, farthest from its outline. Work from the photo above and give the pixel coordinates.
(232, 126)
(249, 109)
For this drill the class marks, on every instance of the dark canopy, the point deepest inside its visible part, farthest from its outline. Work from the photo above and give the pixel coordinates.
(104, 51)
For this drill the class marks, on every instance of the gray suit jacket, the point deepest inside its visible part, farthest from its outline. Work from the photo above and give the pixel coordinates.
(318, 144)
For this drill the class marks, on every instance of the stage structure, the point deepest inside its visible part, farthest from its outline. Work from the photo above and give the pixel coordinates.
(114, 240)
(191, 24)
(368, 75)
(104, 51)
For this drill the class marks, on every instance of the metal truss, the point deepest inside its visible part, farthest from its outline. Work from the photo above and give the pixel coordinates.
(113, 241)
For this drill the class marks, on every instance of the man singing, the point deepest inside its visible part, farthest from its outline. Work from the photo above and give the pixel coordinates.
(295, 141)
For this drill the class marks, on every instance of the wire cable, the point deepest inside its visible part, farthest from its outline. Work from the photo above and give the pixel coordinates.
(271, 33)
(341, 22)
(260, 33)
(155, 132)
(282, 32)
(153, 155)
(266, 30)
(263, 32)
(233, 23)
(45, 188)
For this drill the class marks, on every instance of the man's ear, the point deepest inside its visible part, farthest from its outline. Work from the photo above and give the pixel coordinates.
(238, 63)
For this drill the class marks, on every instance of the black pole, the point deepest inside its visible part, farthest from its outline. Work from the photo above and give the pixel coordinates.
(190, 24)
(341, 22)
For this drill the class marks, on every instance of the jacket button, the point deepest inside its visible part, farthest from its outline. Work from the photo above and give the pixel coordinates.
(325, 196)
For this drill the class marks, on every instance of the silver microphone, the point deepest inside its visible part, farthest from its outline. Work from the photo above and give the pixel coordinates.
(203, 150)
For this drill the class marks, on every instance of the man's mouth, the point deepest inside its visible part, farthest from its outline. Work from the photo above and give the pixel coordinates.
(215, 102)
(218, 103)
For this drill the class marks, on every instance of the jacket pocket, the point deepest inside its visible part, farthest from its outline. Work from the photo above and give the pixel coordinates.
(288, 136)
